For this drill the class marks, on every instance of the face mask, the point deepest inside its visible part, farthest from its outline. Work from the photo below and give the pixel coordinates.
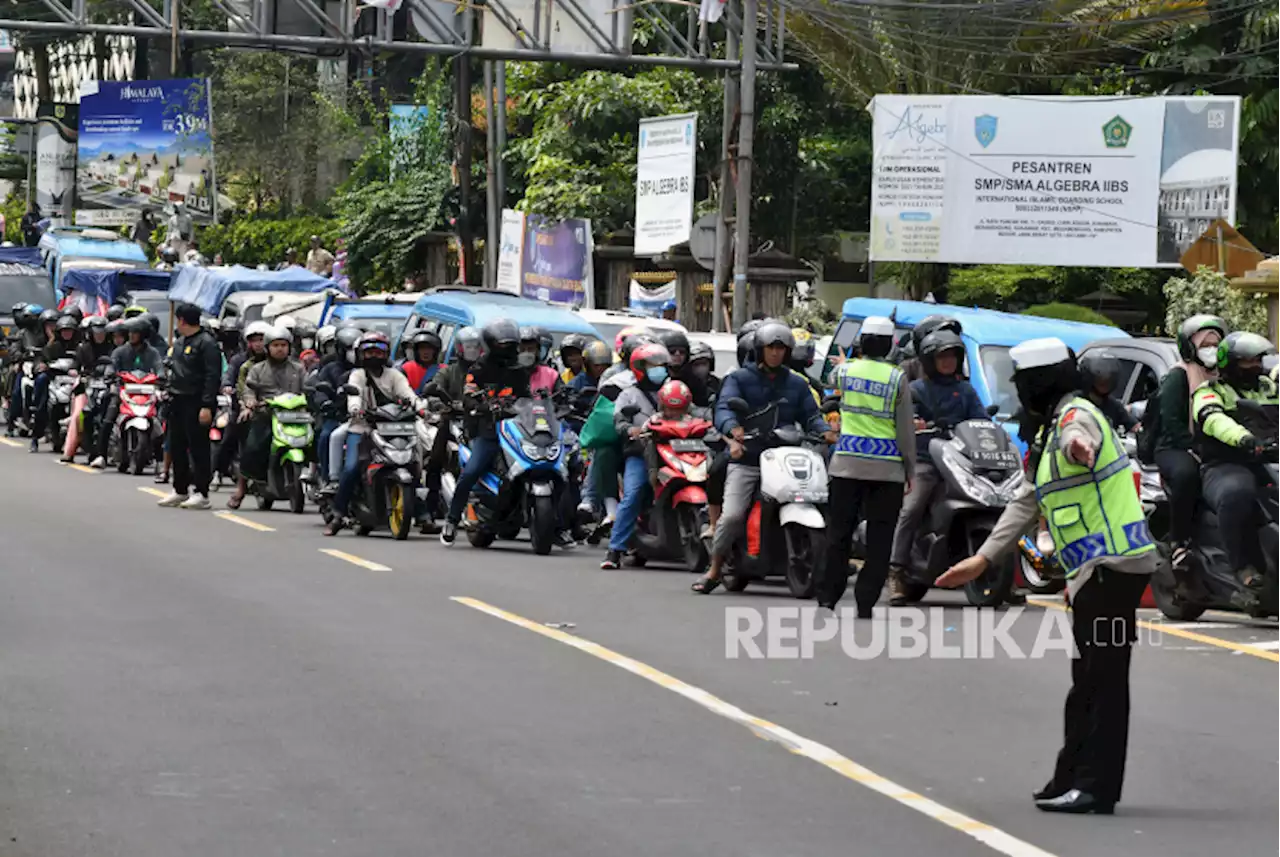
(1207, 357)
(656, 374)
(526, 359)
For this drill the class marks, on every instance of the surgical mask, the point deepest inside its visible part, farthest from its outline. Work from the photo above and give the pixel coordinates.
(526, 359)
(656, 374)
(1207, 357)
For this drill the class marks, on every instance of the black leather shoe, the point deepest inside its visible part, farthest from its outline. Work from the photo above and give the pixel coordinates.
(1051, 790)
(1077, 802)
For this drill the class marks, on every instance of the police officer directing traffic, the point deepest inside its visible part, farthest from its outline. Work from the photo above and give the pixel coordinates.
(1079, 481)
(195, 363)
(871, 466)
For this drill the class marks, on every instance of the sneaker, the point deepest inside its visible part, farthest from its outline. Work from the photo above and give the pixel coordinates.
(612, 559)
(162, 478)
(98, 463)
(897, 589)
(67, 459)
(335, 525)
(448, 533)
(196, 501)
(565, 540)
(428, 526)
(173, 500)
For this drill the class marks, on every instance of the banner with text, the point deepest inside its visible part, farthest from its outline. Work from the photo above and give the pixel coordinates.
(664, 182)
(649, 299)
(1124, 182)
(547, 260)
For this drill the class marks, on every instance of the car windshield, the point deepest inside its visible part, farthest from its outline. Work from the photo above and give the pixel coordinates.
(27, 289)
(390, 327)
(159, 307)
(997, 367)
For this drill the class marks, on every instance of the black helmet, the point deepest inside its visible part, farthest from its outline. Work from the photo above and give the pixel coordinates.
(114, 312)
(501, 340)
(116, 325)
(153, 321)
(905, 349)
(95, 322)
(631, 343)
(67, 322)
(19, 310)
(1238, 347)
(426, 337)
(75, 311)
(48, 316)
(929, 324)
(137, 324)
(575, 341)
(1098, 370)
(699, 350)
(775, 333)
(936, 343)
(1192, 326)
(596, 353)
(347, 337)
(674, 339)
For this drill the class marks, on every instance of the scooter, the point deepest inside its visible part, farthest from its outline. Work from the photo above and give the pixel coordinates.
(786, 525)
(388, 486)
(527, 477)
(292, 444)
(137, 428)
(672, 527)
(223, 420)
(981, 472)
(97, 389)
(63, 379)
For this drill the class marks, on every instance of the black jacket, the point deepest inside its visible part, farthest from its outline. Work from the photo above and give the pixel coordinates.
(136, 361)
(57, 349)
(89, 353)
(335, 373)
(488, 378)
(449, 382)
(196, 367)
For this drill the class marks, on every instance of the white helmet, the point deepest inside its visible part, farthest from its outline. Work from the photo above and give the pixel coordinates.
(325, 335)
(257, 328)
(279, 333)
(287, 322)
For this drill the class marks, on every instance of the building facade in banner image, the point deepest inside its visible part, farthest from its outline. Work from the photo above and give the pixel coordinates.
(1197, 171)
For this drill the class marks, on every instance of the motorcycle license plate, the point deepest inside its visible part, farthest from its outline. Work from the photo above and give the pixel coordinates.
(397, 429)
(999, 459)
(688, 445)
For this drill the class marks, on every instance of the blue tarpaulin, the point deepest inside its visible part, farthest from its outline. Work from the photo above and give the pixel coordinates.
(109, 284)
(209, 287)
(22, 256)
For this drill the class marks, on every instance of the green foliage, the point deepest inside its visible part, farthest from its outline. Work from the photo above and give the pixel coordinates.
(1068, 312)
(1211, 292)
(15, 205)
(994, 285)
(251, 241)
(814, 316)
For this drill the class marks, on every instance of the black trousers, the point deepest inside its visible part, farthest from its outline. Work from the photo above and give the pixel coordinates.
(106, 423)
(1096, 715)
(230, 445)
(1180, 473)
(189, 445)
(1232, 490)
(849, 500)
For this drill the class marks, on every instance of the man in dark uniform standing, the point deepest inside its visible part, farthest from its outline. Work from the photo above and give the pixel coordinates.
(195, 371)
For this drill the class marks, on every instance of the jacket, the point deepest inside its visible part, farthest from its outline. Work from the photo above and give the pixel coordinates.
(486, 377)
(1222, 432)
(945, 401)
(449, 382)
(750, 383)
(1174, 407)
(243, 374)
(418, 374)
(545, 378)
(89, 353)
(57, 349)
(195, 368)
(126, 358)
(335, 374)
(232, 373)
(375, 390)
(268, 379)
(644, 397)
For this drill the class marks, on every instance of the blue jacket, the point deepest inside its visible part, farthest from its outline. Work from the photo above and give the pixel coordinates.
(797, 405)
(945, 400)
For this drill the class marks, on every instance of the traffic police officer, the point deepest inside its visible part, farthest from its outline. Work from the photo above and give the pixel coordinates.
(870, 468)
(1080, 482)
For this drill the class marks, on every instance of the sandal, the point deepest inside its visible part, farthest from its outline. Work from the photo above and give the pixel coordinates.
(706, 585)
(233, 503)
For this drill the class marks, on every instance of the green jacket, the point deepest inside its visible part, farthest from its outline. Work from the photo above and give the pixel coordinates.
(1221, 434)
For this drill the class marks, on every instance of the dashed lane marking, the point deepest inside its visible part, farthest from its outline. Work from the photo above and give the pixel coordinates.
(84, 469)
(7, 441)
(154, 492)
(992, 837)
(244, 522)
(355, 560)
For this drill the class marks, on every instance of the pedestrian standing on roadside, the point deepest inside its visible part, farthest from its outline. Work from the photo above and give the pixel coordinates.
(195, 369)
(319, 260)
(1080, 482)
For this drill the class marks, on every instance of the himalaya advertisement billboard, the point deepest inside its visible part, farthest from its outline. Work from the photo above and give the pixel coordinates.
(144, 145)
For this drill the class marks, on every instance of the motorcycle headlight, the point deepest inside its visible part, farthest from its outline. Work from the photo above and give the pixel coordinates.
(978, 489)
(540, 453)
(399, 456)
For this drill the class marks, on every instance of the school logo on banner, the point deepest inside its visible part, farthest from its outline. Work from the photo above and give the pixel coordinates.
(984, 128)
(1116, 133)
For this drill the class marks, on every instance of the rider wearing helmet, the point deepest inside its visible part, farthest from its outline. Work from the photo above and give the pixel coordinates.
(114, 312)
(47, 320)
(1235, 441)
(326, 343)
(377, 383)
(1098, 376)
(496, 373)
(942, 397)
(534, 343)
(677, 345)
(1169, 420)
(650, 368)
(135, 356)
(448, 385)
(596, 358)
(332, 403)
(747, 341)
(571, 355)
(96, 344)
(1078, 482)
(627, 340)
(765, 382)
(277, 374)
(304, 336)
(424, 359)
(66, 339)
(116, 333)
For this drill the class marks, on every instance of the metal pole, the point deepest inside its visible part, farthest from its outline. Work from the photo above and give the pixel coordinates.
(31, 158)
(500, 72)
(173, 50)
(490, 184)
(724, 241)
(746, 134)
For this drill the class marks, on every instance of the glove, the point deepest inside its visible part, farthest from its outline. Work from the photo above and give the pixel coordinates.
(1265, 450)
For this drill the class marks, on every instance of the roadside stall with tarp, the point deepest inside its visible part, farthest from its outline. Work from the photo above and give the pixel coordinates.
(209, 287)
(94, 291)
(22, 256)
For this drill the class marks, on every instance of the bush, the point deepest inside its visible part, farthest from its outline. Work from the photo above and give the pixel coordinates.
(1210, 292)
(1068, 312)
(252, 241)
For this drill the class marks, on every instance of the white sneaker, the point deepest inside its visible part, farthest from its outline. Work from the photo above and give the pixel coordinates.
(196, 501)
(98, 463)
(174, 499)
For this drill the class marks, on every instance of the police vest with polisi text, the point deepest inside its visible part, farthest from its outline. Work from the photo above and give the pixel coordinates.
(868, 400)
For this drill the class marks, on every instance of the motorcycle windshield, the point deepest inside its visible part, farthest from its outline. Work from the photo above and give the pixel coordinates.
(288, 401)
(537, 420)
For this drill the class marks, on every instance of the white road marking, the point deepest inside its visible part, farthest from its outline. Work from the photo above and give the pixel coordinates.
(244, 522)
(154, 492)
(355, 560)
(1269, 645)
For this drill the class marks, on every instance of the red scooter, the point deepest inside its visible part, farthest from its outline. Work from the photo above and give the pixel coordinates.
(138, 427)
(672, 528)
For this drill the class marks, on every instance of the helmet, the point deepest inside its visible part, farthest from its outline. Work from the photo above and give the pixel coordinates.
(287, 322)
(666, 305)
(373, 341)
(153, 320)
(575, 341)
(325, 335)
(597, 354)
(1044, 370)
(1098, 370)
(648, 355)
(699, 350)
(134, 311)
(747, 341)
(906, 348)
(1192, 326)
(212, 324)
(347, 337)
(533, 333)
(774, 333)
(1238, 347)
(67, 322)
(675, 394)
(279, 334)
(19, 310)
(257, 328)
(76, 312)
(425, 337)
(115, 326)
(304, 330)
(934, 344)
(624, 333)
(94, 322)
(137, 324)
(49, 316)
(501, 340)
(114, 312)
(675, 340)
(929, 324)
(468, 344)
(875, 337)
(632, 342)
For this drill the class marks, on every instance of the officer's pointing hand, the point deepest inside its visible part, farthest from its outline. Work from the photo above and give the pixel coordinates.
(1079, 451)
(963, 571)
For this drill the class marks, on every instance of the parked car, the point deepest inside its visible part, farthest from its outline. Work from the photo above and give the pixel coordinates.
(608, 322)
(447, 308)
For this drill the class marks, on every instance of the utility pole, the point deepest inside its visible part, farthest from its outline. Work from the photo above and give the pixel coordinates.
(746, 135)
(500, 111)
(462, 101)
(491, 183)
(724, 238)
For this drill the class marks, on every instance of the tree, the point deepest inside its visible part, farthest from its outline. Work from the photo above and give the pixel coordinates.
(1210, 292)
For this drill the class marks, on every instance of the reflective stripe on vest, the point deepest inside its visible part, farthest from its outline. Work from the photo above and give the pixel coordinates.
(1091, 512)
(868, 400)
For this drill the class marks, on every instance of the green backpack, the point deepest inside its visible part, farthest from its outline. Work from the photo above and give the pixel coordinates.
(598, 431)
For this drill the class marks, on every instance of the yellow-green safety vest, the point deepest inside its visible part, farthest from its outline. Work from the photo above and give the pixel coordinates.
(1091, 512)
(868, 399)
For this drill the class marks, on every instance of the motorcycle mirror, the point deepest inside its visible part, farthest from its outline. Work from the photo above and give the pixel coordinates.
(630, 411)
(351, 389)
(992, 410)
(831, 405)
(324, 387)
(738, 406)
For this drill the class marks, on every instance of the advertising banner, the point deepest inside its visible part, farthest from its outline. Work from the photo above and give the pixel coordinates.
(547, 260)
(145, 144)
(664, 182)
(1124, 182)
(649, 299)
(55, 160)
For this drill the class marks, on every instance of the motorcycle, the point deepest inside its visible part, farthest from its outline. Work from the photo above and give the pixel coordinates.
(222, 420)
(391, 473)
(786, 525)
(981, 472)
(672, 527)
(292, 445)
(63, 380)
(528, 475)
(137, 429)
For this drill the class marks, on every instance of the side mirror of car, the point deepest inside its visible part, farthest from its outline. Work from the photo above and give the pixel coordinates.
(992, 410)
(737, 405)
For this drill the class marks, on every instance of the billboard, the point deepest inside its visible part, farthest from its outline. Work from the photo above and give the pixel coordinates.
(664, 182)
(55, 160)
(144, 144)
(545, 259)
(1108, 181)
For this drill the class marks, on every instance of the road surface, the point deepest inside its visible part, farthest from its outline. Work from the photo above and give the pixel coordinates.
(188, 683)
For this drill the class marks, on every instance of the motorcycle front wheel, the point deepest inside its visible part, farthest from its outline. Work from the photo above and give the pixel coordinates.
(139, 454)
(804, 552)
(1037, 582)
(398, 516)
(542, 524)
(691, 521)
(295, 490)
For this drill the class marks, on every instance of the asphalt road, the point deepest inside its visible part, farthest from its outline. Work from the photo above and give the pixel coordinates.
(181, 683)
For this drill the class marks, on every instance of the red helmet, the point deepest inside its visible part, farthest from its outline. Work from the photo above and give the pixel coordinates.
(647, 356)
(675, 395)
(624, 333)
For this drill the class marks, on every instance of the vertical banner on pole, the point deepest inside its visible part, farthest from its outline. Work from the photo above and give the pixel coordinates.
(665, 160)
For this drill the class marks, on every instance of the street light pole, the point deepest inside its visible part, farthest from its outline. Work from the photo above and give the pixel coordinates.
(746, 138)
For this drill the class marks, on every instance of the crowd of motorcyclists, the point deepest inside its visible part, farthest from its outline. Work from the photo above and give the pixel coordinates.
(299, 409)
